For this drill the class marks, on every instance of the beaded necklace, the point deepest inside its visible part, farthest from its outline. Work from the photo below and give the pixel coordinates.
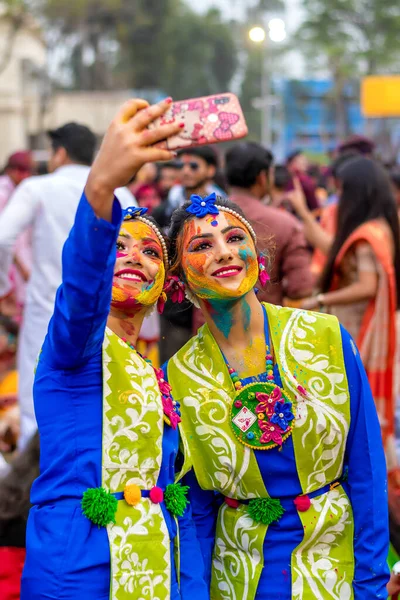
(261, 413)
(269, 368)
(172, 415)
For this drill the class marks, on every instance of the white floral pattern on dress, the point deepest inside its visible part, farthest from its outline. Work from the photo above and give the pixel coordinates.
(132, 454)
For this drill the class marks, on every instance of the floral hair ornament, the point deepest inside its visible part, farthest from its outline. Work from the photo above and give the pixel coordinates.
(263, 273)
(133, 212)
(200, 207)
(175, 289)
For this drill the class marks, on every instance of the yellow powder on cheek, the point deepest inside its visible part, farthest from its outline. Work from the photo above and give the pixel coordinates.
(119, 295)
(251, 277)
(150, 295)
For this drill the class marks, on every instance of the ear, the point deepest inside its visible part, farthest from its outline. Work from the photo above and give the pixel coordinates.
(61, 155)
(262, 180)
(211, 170)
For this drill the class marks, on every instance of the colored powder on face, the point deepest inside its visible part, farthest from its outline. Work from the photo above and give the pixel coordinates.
(196, 265)
(151, 293)
(246, 254)
(214, 223)
(128, 297)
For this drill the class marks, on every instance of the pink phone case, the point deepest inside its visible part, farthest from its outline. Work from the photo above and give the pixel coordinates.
(207, 120)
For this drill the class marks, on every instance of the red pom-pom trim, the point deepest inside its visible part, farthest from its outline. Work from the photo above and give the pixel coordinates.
(156, 495)
(232, 502)
(302, 503)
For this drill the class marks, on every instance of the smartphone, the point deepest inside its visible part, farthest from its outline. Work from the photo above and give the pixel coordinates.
(207, 120)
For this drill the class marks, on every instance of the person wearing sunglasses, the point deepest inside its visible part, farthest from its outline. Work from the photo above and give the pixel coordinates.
(198, 168)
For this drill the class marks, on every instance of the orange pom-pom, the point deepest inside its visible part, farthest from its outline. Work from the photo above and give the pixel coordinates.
(132, 494)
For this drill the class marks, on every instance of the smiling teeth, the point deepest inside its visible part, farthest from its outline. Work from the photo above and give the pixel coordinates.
(130, 276)
(228, 271)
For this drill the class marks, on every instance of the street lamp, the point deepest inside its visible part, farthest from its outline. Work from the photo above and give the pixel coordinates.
(276, 33)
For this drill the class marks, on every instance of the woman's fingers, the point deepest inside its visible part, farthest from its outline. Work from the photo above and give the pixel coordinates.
(151, 113)
(297, 184)
(149, 137)
(129, 109)
(153, 154)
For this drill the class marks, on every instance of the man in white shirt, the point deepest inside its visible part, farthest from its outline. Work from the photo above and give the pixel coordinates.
(47, 204)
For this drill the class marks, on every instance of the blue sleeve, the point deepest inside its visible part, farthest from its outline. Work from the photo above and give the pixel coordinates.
(192, 582)
(366, 485)
(205, 505)
(82, 304)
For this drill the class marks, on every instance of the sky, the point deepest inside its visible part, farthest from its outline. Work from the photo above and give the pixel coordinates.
(235, 9)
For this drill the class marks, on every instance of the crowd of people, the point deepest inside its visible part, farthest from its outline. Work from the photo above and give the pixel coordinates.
(277, 285)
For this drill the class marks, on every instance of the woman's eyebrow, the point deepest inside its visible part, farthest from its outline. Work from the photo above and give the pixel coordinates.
(230, 227)
(201, 235)
(149, 240)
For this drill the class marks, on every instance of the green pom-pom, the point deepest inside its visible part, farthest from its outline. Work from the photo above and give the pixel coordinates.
(99, 506)
(175, 498)
(265, 510)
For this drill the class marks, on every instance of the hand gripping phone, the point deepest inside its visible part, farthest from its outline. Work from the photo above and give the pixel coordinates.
(207, 120)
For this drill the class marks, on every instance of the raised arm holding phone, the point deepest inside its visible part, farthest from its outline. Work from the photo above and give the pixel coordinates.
(109, 516)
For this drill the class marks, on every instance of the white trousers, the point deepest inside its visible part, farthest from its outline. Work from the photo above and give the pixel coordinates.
(31, 338)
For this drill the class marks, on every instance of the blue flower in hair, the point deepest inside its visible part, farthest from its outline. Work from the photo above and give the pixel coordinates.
(133, 211)
(200, 207)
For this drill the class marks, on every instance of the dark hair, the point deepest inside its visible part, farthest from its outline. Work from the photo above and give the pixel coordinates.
(395, 178)
(245, 162)
(340, 160)
(15, 487)
(207, 153)
(282, 177)
(78, 140)
(366, 195)
(178, 220)
(290, 157)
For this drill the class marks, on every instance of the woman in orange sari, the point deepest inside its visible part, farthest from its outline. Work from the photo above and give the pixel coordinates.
(361, 280)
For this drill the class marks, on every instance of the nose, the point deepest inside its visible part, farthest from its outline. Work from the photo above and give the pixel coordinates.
(224, 252)
(134, 258)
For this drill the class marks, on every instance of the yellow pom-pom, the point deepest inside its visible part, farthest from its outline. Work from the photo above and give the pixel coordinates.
(132, 494)
(238, 385)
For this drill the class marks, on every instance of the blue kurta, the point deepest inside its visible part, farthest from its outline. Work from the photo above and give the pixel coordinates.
(365, 487)
(68, 557)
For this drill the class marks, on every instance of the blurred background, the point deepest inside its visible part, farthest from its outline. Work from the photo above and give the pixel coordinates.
(298, 66)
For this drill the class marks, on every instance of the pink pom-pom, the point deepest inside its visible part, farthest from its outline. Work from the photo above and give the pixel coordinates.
(156, 495)
(232, 502)
(302, 503)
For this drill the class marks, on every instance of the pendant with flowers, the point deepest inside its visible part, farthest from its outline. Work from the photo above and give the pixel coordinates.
(262, 416)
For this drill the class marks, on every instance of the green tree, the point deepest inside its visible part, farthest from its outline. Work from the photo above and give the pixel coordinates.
(201, 55)
(141, 44)
(350, 38)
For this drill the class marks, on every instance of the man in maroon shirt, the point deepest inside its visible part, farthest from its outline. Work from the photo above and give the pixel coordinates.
(280, 234)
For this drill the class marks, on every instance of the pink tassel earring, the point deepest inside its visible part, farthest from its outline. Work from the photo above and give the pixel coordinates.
(175, 289)
(161, 303)
(263, 275)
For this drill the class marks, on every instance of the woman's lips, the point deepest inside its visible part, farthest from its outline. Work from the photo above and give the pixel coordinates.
(131, 275)
(231, 271)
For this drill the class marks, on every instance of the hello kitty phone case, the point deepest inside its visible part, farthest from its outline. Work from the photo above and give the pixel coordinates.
(207, 120)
